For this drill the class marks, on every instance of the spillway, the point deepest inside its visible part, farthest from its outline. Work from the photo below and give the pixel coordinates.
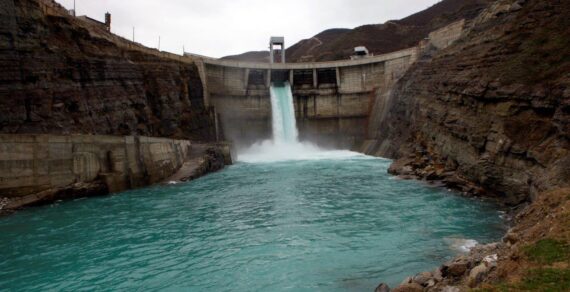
(283, 114)
(285, 145)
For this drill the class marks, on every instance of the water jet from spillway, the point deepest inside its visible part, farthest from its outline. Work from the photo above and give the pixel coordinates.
(283, 115)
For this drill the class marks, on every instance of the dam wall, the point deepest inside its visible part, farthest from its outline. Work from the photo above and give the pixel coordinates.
(332, 99)
(34, 163)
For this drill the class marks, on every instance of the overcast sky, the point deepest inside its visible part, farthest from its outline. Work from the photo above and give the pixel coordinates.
(219, 28)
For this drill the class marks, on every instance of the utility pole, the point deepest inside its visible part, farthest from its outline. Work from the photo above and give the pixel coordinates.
(159, 43)
(133, 34)
(74, 9)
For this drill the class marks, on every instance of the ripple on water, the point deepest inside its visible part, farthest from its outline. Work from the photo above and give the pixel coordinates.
(323, 224)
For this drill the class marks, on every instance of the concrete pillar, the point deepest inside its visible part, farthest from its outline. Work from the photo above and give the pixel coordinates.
(217, 125)
(337, 77)
(246, 78)
(268, 81)
(315, 76)
(291, 77)
(283, 52)
(202, 71)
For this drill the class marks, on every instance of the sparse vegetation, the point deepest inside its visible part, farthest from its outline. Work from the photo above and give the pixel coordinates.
(544, 280)
(548, 251)
(548, 279)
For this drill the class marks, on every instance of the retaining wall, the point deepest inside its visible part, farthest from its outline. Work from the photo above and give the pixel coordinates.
(33, 163)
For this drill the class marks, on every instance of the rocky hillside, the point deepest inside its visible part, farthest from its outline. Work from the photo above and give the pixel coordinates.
(61, 75)
(253, 56)
(490, 116)
(493, 109)
(338, 44)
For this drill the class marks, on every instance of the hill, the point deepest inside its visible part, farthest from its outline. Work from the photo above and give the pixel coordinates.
(338, 44)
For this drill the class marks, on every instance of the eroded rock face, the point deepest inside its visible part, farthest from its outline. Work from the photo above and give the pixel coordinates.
(490, 114)
(61, 77)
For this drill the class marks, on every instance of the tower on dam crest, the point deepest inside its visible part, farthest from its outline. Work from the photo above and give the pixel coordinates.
(276, 48)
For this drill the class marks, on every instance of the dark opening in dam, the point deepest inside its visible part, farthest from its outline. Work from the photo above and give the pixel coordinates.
(303, 77)
(279, 75)
(257, 77)
(326, 76)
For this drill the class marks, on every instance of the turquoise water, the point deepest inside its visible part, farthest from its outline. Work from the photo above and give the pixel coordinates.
(318, 225)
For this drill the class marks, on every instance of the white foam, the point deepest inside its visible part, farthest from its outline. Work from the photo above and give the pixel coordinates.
(461, 244)
(269, 151)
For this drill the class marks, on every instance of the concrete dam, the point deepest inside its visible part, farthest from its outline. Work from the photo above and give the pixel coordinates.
(332, 100)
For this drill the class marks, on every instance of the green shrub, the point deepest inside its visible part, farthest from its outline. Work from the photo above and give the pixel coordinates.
(548, 251)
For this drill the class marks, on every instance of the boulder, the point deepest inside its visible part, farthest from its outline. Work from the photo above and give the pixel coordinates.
(491, 260)
(383, 287)
(407, 280)
(423, 278)
(437, 275)
(511, 237)
(410, 287)
(456, 268)
(450, 289)
(477, 274)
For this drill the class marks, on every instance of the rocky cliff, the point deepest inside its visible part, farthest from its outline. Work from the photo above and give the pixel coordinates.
(65, 76)
(490, 114)
(61, 75)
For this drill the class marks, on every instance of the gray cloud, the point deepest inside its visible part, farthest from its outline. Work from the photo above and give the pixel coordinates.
(224, 27)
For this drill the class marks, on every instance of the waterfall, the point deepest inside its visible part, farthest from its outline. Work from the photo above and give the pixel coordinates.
(285, 145)
(283, 113)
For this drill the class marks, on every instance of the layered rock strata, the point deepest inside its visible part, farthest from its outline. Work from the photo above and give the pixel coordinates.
(77, 101)
(489, 115)
(62, 75)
